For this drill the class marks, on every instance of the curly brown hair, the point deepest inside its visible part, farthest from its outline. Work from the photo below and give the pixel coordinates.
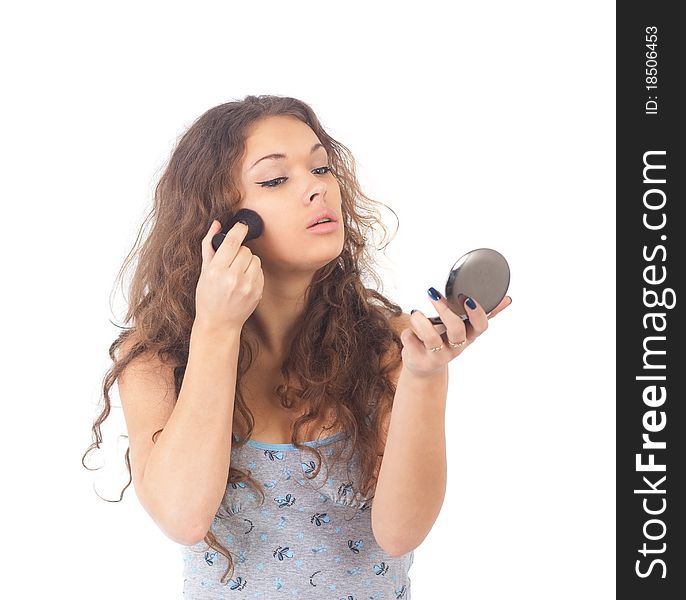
(348, 326)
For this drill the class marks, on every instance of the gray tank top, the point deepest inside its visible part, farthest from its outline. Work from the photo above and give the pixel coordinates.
(311, 538)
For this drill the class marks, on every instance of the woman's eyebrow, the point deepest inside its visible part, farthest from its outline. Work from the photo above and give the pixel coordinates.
(279, 155)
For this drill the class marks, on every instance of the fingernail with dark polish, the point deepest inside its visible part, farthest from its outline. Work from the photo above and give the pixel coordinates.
(470, 303)
(433, 294)
(413, 310)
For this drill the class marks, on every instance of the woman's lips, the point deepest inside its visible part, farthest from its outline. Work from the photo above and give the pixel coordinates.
(324, 227)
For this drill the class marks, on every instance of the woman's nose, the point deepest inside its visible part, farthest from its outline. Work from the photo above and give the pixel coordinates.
(316, 187)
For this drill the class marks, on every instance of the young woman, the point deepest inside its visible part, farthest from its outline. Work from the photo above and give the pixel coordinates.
(258, 381)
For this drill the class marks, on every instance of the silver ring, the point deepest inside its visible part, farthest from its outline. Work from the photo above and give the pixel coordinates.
(458, 345)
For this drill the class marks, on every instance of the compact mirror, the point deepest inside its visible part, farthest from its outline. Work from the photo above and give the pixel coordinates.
(482, 274)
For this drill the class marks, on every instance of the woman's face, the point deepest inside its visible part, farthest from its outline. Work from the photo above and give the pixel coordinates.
(288, 193)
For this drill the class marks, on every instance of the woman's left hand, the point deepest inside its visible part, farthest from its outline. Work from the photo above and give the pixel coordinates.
(423, 335)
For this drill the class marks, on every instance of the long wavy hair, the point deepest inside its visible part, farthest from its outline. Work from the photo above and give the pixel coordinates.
(341, 345)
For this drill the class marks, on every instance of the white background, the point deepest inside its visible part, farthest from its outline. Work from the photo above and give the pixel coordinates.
(480, 124)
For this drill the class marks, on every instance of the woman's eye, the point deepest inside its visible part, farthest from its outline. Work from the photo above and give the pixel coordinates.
(277, 181)
(271, 182)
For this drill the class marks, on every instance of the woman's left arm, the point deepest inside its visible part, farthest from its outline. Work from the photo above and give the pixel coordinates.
(412, 477)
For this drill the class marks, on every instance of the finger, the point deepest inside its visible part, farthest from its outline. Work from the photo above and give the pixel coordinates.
(231, 244)
(504, 303)
(477, 317)
(454, 325)
(425, 330)
(410, 340)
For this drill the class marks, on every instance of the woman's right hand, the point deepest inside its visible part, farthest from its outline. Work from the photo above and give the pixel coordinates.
(231, 281)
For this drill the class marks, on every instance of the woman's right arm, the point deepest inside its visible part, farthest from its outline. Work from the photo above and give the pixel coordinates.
(181, 479)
